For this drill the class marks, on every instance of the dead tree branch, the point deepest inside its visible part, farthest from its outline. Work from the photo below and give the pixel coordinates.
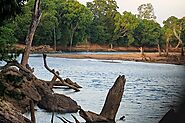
(55, 73)
(111, 105)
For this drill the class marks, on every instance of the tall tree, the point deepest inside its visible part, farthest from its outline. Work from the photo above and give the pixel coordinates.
(176, 26)
(147, 34)
(146, 11)
(75, 16)
(34, 23)
(102, 28)
(125, 25)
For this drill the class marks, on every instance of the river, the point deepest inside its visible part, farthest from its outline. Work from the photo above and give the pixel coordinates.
(151, 88)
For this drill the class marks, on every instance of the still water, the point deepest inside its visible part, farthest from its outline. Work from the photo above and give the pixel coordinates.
(151, 89)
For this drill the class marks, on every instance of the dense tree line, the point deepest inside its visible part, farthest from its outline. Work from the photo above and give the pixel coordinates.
(67, 23)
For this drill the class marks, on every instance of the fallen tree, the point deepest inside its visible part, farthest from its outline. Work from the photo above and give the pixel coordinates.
(111, 105)
(19, 86)
(109, 109)
(68, 82)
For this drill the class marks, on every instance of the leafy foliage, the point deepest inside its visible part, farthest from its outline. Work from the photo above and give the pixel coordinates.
(102, 28)
(146, 11)
(147, 33)
(125, 26)
(70, 23)
(7, 40)
(10, 8)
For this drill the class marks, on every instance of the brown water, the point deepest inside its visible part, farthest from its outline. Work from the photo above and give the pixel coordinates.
(151, 89)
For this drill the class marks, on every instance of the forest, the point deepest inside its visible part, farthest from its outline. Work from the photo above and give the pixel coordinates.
(67, 23)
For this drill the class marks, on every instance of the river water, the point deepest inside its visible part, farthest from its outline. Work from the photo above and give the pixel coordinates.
(151, 88)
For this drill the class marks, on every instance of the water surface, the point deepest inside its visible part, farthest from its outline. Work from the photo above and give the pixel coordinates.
(150, 91)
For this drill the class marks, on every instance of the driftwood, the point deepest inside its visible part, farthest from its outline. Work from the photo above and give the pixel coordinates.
(111, 105)
(76, 120)
(33, 120)
(64, 120)
(10, 114)
(67, 80)
(169, 117)
(55, 74)
(52, 117)
(26, 72)
(92, 117)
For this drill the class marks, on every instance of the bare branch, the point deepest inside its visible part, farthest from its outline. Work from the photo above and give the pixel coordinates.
(55, 73)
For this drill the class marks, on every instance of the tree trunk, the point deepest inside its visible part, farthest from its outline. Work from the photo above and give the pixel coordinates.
(71, 40)
(73, 29)
(159, 49)
(167, 46)
(111, 105)
(54, 38)
(142, 51)
(182, 49)
(33, 120)
(111, 46)
(178, 37)
(113, 99)
(34, 23)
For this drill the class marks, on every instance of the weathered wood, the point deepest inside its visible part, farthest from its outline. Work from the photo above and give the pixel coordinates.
(169, 117)
(111, 105)
(76, 120)
(33, 120)
(22, 69)
(62, 119)
(53, 81)
(113, 99)
(53, 72)
(52, 117)
(92, 117)
(67, 80)
(34, 23)
(10, 114)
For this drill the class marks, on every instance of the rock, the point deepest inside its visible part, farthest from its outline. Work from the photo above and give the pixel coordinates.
(9, 114)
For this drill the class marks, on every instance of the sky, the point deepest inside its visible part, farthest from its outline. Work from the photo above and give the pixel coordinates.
(162, 8)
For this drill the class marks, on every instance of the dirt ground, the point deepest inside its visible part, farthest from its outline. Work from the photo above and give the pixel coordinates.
(151, 55)
(173, 58)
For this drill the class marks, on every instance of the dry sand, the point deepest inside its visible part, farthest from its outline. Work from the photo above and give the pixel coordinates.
(149, 57)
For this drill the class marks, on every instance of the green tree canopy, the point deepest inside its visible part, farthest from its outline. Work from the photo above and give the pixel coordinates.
(9, 8)
(146, 11)
(125, 25)
(76, 17)
(102, 28)
(147, 33)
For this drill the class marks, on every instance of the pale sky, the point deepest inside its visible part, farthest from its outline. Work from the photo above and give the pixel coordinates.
(162, 8)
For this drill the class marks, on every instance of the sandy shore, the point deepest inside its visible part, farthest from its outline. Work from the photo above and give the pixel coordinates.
(149, 57)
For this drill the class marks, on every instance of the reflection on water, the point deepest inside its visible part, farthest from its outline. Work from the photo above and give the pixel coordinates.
(151, 89)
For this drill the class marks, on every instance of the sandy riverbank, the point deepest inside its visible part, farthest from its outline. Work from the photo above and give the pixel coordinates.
(173, 58)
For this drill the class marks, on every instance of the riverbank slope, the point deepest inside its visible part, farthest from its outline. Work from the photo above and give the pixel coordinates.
(173, 58)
